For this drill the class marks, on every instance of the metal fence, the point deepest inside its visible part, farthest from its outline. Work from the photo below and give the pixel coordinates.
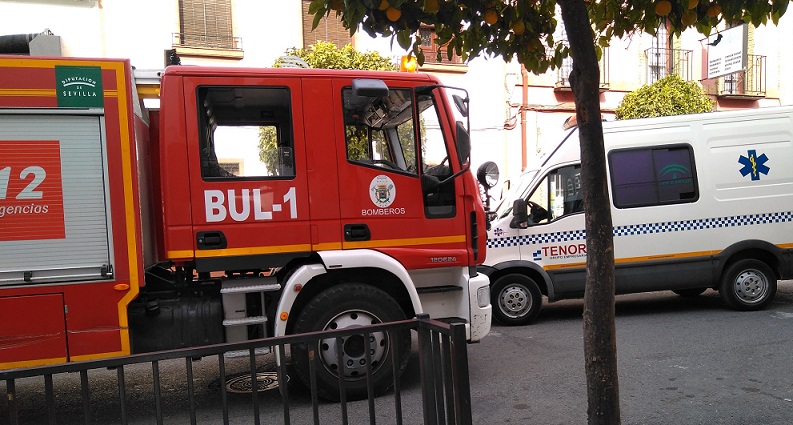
(443, 369)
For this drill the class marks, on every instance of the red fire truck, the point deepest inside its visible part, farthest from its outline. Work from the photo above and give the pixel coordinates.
(252, 203)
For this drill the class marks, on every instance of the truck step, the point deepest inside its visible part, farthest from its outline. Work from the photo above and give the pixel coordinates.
(256, 284)
(245, 321)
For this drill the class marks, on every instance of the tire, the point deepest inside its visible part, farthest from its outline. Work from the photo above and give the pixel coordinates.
(516, 299)
(748, 285)
(343, 306)
(691, 292)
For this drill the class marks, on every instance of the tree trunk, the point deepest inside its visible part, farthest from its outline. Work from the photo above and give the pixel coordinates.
(600, 340)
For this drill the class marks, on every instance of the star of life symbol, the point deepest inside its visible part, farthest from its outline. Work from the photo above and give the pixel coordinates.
(753, 164)
(382, 191)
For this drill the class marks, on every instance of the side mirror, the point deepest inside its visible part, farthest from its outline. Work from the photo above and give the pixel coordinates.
(369, 87)
(520, 215)
(463, 143)
(461, 104)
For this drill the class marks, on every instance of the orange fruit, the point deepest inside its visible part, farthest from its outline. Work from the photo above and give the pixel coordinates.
(384, 5)
(337, 5)
(692, 3)
(714, 10)
(431, 6)
(518, 27)
(689, 18)
(663, 7)
(392, 14)
(491, 17)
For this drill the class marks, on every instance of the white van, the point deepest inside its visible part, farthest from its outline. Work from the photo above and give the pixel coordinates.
(698, 201)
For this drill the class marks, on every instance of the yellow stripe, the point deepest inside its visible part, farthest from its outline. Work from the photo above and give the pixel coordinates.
(328, 246)
(28, 92)
(129, 202)
(188, 253)
(99, 356)
(26, 62)
(252, 250)
(32, 363)
(629, 260)
(381, 243)
(785, 245)
(389, 243)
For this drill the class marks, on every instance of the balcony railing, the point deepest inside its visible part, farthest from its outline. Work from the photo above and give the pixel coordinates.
(749, 83)
(665, 62)
(206, 41)
(563, 73)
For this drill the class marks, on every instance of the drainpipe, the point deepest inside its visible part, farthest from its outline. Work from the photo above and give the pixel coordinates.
(523, 107)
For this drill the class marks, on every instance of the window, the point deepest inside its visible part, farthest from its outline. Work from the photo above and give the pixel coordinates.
(558, 195)
(206, 24)
(430, 48)
(379, 131)
(330, 29)
(253, 123)
(654, 176)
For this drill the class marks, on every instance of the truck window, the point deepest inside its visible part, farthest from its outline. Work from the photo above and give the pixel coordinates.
(653, 176)
(379, 131)
(246, 132)
(558, 195)
(435, 165)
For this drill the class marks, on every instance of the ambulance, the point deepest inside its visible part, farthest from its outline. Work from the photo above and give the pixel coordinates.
(698, 202)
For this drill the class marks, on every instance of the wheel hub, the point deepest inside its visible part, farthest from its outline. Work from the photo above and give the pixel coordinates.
(353, 347)
(515, 300)
(751, 286)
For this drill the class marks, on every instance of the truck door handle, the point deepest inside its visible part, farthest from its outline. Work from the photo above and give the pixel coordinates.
(356, 232)
(213, 239)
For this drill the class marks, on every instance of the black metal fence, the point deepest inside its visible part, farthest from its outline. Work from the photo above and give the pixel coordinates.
(443, 370)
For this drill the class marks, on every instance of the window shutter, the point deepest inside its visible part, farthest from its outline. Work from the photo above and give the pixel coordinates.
(206, 23)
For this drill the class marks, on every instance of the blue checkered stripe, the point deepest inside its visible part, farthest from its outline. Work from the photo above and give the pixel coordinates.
(647, 228)
(575, 235)
(702, 224)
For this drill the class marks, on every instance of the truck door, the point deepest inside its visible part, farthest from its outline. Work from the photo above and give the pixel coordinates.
(246, 160)
(395, 152)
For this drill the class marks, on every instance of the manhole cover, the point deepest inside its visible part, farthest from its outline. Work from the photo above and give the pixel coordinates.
(244, 384)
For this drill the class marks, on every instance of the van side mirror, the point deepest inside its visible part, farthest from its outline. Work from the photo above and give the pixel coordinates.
(520, 215)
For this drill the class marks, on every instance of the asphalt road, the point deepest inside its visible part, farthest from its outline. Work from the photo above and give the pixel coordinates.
(680, 360)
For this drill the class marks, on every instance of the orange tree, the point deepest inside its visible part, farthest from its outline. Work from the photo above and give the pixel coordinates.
(524, 30)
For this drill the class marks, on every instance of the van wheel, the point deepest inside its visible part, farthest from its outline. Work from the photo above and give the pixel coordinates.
(516, 299)
(748, 285)
(692, 292)
(348, 306)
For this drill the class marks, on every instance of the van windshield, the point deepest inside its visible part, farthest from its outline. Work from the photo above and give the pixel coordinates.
(518, 191)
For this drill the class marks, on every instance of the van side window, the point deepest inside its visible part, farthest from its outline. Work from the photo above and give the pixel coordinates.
(379, 131)
(558, 195)
(245, 132)
(653, 176)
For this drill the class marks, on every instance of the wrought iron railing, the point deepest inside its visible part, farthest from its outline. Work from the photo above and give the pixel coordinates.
(563, 72)
(206, 41)
(665, 62)
(750, 82)
(443, 365)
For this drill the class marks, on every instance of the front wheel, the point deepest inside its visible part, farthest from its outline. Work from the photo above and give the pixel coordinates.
(748, 285)
(346, 306)
(516, 299)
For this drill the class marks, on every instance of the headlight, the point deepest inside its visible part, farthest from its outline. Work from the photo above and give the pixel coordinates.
(483, 296)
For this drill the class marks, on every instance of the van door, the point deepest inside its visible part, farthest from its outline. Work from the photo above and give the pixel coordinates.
(555, 238)
(246, 159)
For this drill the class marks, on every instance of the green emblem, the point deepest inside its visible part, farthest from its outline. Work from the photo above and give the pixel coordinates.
(79, 86)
